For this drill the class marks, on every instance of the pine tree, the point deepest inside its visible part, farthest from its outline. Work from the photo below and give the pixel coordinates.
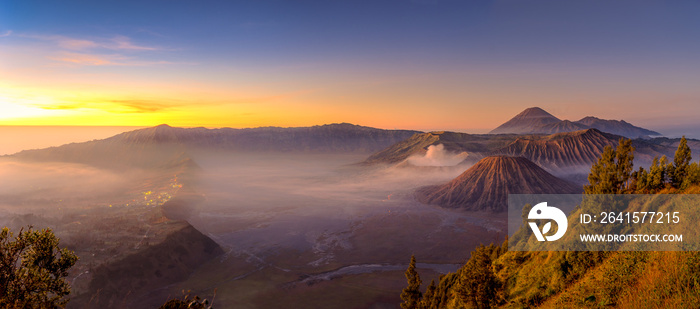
(613, 171)
(642, 181)
(625, 163)
(411, 295)
(600, 179)
(478, 284)
(693, 175)
(429, 296)
(681, 161)
(659, 172)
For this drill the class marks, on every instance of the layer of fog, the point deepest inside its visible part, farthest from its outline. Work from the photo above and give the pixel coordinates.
(35, 186)
(436, 155)
(254, 203)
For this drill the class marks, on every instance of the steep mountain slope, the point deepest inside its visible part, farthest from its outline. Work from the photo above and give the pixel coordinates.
(568, 152)
(526, 121)
(580, 148)
(474, 144)
(486, 185)
(619, 127)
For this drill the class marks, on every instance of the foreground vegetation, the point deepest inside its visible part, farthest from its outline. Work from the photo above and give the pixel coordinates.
(33, 269)
(494, 277)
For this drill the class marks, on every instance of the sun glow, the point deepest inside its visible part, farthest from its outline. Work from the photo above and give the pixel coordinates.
(17, 107)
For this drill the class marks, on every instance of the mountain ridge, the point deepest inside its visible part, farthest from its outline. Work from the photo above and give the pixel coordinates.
(473, 144)
(535, 120)
(575, 152)
(558, 153)
(619, 127)
(150, 147)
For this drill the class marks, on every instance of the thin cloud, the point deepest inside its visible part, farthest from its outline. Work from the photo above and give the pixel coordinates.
(118, 106)
(118, 42)
(96, 59)
(141, 106)
(6, 34)
(76, 44)
(116, 51)
(64, 42)
(124, 43)
(87, 59)
(62, 106)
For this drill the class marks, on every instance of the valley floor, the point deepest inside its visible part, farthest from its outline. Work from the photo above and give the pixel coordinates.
(315, 231)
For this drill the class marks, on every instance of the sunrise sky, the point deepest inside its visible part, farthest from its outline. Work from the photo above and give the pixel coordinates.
(427, 65)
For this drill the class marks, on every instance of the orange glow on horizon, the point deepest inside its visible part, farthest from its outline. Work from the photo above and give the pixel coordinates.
(73, 106)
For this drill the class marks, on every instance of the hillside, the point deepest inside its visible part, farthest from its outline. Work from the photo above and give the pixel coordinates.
(573, 279)
(502, 276)
(574, 152)
(486, 185)
(166, 259)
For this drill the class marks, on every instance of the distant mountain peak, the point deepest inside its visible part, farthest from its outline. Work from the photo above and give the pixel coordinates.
(344, 124)
(588, 118)
(525, 121)
(535, 112)
(618, 127)
(535, 120)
